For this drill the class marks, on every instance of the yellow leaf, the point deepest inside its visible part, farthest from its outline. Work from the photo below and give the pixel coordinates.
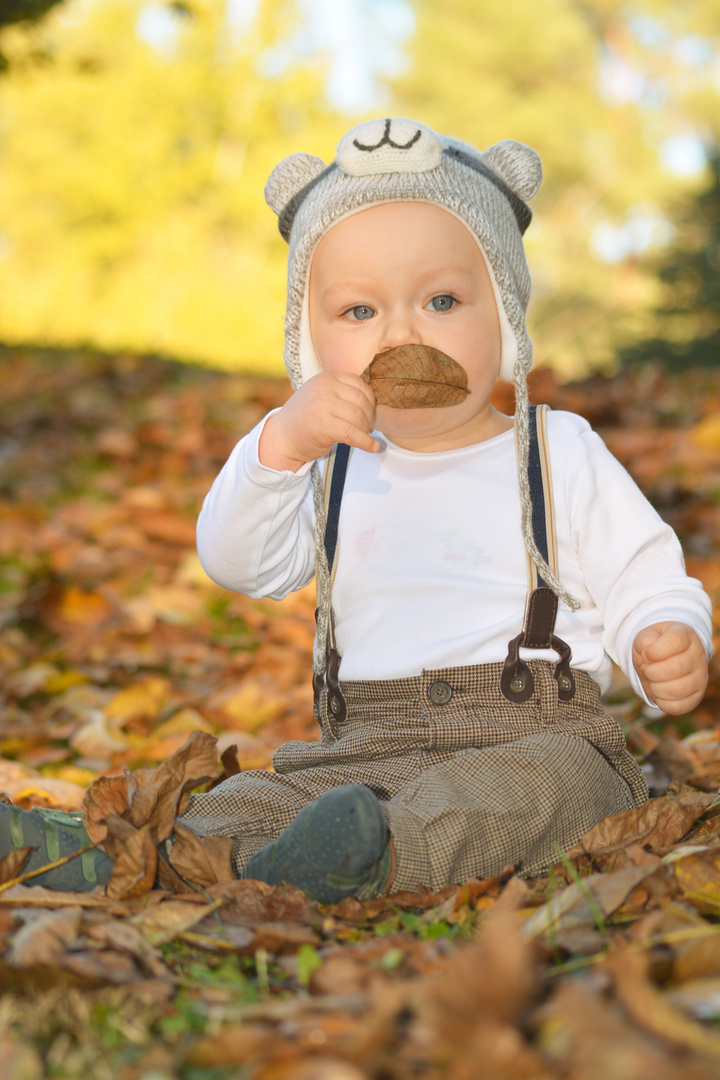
(74, 774)
(47, 791)
(706, 433)
(698, 876)
(191, 572)
(183, 722)
(142, 700)
(57, 684)
(250, 706)
(83, 608)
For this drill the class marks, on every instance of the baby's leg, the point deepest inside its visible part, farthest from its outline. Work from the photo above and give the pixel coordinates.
(255, 806)
(515, 804)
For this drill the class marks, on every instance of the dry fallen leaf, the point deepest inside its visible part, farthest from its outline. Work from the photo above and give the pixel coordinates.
(657, 824)
(135, 856)
(106, 796)
(651, 1009)
(37, 896)
(162, 922)
(584, 1034)
(151, 797)
(581, 903)
(279, 938)
(19, 1061)
(416, 377)
(699, 999)
(160, 795)
(236, 1044)
(471, 1011)
(122, 936)
(255, 902)
(203, 860)
(698, 876)
(11, 864)
(45, 937)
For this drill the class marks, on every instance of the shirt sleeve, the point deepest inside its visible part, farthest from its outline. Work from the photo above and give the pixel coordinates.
(255, 530)
(631, 559)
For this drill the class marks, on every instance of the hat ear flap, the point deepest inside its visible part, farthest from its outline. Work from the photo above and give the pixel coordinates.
(289, 177)
(518, 165)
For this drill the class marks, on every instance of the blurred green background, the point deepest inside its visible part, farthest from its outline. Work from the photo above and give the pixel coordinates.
(136, 138)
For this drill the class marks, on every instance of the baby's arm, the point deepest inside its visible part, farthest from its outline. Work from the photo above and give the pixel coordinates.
(671, 663)
(327, 409)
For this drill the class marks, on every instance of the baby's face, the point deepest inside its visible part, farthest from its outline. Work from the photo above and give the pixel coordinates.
(409, 273)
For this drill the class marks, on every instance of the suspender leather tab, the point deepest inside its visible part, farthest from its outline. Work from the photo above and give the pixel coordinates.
(540, 620)
(516, 681)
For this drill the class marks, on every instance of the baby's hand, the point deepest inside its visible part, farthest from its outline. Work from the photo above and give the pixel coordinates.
(670, 660)
(327, 409)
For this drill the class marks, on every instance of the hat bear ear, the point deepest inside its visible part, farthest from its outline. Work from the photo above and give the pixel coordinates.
(518, 165)
(289, 177)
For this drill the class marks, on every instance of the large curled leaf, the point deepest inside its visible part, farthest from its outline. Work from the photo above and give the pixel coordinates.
(416, 377)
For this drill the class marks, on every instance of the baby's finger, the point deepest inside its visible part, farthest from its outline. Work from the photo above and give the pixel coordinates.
(679, 696)
(672, 639)
(666, 671)
(677, 706)
(358, 438)
(644, 639)
(350, 424)
(357, 382)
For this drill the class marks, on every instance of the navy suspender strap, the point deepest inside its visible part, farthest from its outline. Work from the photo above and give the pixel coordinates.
(538, 632)
(334, 483)
(537, 488)
(541, 495)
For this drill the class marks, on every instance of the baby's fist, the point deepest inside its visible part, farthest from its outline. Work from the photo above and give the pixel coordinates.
(671, 662)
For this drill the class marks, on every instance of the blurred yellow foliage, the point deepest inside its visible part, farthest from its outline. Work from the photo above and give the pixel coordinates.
(142, 700)
(131, 190)
(706, 433)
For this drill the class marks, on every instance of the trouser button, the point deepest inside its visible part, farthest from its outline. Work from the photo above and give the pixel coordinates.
(440, 692)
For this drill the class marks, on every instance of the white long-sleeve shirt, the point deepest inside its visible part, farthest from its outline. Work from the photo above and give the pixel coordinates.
(431, 568)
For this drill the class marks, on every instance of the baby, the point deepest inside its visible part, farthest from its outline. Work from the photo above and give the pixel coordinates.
(439, 535)
(477, 574)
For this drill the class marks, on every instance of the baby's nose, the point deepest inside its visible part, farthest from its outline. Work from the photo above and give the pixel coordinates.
(401, 329)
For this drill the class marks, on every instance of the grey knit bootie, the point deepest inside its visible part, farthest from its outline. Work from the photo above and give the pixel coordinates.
(337, 846)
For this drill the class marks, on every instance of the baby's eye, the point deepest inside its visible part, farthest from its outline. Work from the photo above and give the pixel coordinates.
(360, 312)
(442, 302)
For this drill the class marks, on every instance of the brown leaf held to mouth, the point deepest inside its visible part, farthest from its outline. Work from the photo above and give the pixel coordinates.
(416, 377)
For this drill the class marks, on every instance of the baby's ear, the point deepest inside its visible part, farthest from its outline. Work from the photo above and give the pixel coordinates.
(289, 177)
(517, 165)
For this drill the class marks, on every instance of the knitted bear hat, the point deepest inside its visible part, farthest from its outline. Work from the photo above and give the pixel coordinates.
(382, 161)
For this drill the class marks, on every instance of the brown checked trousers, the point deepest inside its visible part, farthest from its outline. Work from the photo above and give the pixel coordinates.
(469, 783)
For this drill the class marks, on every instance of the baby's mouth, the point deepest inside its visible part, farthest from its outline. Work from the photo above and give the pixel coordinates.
(416, 377)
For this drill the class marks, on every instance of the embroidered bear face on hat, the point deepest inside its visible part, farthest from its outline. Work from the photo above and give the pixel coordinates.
(382, 161)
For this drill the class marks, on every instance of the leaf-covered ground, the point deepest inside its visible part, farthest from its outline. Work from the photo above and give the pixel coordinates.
(115, 648)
